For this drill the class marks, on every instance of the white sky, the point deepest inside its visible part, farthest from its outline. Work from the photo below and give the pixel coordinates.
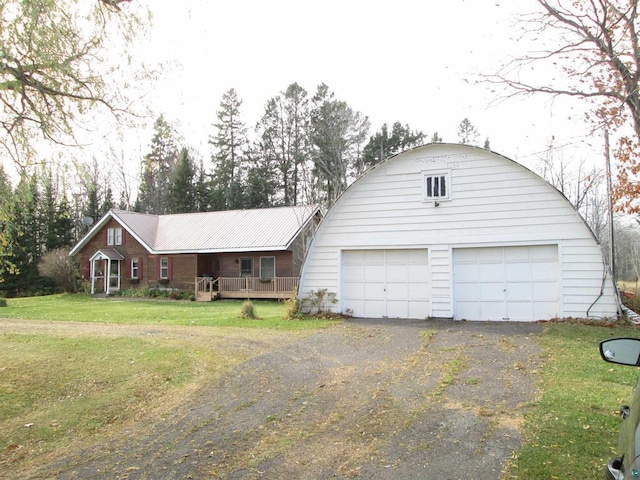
(412, 61)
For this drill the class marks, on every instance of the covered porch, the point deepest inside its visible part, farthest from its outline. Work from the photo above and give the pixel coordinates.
(106, 265)
(208, 288)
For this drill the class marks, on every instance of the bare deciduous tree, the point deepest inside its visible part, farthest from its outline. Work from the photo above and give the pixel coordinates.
(54, 69)
(595, 45)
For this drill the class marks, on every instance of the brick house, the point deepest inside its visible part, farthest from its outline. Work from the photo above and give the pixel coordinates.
(238, 253)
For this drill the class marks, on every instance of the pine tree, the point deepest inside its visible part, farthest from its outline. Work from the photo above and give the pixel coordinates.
(337, 133)
(467, 133)
(23, 234)
(229, 158)
(157, 168)
(7, 265)
(181, 195)
(383, 144)
(284, 142)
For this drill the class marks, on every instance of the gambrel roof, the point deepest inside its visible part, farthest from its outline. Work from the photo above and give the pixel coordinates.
(265, 229)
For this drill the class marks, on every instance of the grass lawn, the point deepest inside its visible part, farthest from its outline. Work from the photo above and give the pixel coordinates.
(57, 389)
(83, 308)
(572, 429)
(60, 388)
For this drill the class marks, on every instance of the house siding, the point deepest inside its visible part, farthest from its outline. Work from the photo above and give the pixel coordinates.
(230, 263)
(494, 202)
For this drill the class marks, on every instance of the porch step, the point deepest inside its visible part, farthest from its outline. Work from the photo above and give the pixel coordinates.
(206, 296)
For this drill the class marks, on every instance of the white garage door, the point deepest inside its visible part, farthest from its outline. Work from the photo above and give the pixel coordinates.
(506, 283)
(385, 283)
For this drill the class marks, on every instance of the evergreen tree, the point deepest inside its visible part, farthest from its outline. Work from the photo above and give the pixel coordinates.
(24, 237)
(385, 143)
(284, 141)
(202, 190)
(181, 197)
(229, 158)
(7, 265)
(467, 133)
(157, 168)
(336, 133)
(259, 186)
(55, 214)
(436, 138)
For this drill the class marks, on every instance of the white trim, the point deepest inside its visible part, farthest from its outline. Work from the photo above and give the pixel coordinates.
(436, 177)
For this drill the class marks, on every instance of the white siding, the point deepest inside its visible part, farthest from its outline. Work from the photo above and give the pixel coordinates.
(494, 202)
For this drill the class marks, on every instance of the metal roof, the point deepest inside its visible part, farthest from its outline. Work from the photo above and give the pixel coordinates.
(210, 232)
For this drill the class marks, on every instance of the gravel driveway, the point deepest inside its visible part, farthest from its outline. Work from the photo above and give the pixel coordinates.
(371, 399)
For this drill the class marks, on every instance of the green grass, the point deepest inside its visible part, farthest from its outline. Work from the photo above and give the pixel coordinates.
(222, 313)
(57, 389)
(54, 388)
(572, 429)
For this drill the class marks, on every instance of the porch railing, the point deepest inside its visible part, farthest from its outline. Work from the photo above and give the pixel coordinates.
(276, 287)
(243, 284)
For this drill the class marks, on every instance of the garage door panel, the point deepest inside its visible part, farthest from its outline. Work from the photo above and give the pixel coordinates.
(491, 291)
(516, 254)
(397, 273)
(468, 310)
(353, 257)
(419, 291)
(354, 305)
(491, 273)
(374, 309)
(374, 257)
(352, 291)
(516, 282)
(545, 272)
(545, 310)
(353, 273)
(417, 309)
(466, 273)
(519, 291)
(547, 252)
(489, 255)
(491, 310)
(392, 283)
(374, 273)
(544, 292)
(373, 291)
(519, 311)
(517, 272)
(397, 309)
(397, 292)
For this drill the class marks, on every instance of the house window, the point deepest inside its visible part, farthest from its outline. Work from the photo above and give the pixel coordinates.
(246, 267)
(436, 186)
(114, 236)
(164, 267)
(267, 267)
(135, 268)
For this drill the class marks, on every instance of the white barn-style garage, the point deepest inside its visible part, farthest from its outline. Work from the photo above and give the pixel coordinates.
(458, 232)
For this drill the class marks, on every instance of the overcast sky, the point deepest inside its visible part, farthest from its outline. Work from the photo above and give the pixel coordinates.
(416, 62)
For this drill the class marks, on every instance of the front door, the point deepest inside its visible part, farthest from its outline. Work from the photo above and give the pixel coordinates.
(246, 267)
(114, 276)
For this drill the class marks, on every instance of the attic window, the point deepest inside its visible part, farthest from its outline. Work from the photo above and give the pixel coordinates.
(114, 236)
(436, 186)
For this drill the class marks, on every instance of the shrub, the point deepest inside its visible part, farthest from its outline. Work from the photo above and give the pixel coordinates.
(60, 268)
(320, 301)
(292, 307)
(3, 302)
(248, 310)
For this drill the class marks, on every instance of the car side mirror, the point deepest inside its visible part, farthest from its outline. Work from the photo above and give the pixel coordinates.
(623, 351)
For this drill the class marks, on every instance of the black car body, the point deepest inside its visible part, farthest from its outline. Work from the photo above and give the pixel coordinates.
(625, 351)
